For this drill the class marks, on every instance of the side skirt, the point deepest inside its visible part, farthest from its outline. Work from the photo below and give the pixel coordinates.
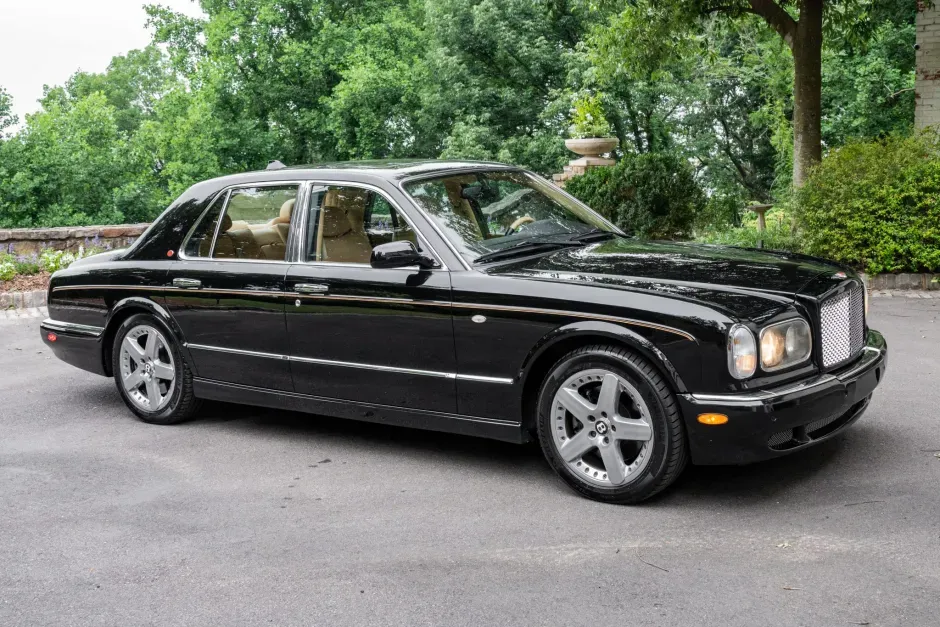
(398, 416)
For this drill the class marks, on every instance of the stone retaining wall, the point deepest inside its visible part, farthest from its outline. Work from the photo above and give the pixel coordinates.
(924, 281)
(30, 241)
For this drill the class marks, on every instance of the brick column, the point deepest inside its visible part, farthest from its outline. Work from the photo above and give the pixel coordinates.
(927, 87)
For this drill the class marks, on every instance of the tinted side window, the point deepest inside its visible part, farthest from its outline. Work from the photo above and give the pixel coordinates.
(199, 243)
(346, 223)
(256, 223)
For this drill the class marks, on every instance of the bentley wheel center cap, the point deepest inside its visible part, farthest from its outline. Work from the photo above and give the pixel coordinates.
(601, 428)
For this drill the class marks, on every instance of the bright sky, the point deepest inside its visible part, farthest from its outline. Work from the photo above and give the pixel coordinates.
(43, 42)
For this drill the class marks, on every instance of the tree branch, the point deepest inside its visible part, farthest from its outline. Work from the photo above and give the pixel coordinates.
(777, 17)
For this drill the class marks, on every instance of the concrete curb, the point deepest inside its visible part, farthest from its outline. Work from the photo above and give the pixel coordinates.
(11, 315)
(22, 300)
(905, 294)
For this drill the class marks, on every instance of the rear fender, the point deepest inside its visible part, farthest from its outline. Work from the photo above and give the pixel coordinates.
(127, 307)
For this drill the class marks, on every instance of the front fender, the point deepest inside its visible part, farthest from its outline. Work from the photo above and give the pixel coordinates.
(596, 328)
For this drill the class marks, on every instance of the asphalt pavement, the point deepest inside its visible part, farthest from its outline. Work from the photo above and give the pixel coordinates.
(256, 517)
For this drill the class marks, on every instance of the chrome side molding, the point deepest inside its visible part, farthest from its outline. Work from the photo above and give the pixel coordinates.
(349, 364)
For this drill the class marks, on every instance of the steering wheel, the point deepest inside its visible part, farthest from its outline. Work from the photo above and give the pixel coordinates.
(518, 223)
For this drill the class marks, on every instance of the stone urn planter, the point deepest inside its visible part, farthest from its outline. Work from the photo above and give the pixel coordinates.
(592, 146)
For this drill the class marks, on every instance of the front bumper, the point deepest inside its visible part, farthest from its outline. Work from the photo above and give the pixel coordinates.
(770, 423)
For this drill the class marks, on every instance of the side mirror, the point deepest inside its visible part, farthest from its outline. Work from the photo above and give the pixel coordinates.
(399, 255)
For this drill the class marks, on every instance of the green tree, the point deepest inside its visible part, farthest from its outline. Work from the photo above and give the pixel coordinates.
(800, 25)
(7, 118)
(132, 84)
(67, 163)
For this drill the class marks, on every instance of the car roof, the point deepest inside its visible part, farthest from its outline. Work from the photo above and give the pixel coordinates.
(393, 169)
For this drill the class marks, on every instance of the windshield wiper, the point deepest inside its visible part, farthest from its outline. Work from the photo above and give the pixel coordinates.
(528, 246)
(594, 234)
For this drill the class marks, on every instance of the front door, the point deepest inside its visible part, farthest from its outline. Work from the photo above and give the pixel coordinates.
(226, 290)
(364, 334)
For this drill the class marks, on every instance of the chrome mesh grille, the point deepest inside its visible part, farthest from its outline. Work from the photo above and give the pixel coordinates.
(778, 439)
(842, 326)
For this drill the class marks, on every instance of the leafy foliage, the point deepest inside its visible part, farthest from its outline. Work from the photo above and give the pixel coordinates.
(7, 268)
(588, 119)
(7, 119)
(876, 205)
(317, 80)
(48, 260)
(778, 235)
(650, 195)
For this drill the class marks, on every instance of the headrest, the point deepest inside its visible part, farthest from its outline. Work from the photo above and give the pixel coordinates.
(226, 223)
(286, 210)
(335, 222)
(331, 199)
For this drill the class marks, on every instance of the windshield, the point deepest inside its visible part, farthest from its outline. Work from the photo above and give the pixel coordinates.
(485, 212)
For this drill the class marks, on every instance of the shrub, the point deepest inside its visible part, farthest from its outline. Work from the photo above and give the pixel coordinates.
(876, 205)
(652, 195)
(588, 119)
(778, 234)
(7, 268)
(53, 260)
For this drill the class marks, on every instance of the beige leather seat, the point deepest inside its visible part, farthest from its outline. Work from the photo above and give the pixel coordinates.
(282, 222)
(224, 246)
(236, 243)
(337, 240)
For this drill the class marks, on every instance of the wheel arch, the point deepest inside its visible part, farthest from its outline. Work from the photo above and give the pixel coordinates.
(127, 307)
(565, 339)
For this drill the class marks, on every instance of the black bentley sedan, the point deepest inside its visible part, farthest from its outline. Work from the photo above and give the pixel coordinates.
(479, 299)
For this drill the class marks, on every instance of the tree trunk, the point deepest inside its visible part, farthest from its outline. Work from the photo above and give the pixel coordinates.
(807, 90)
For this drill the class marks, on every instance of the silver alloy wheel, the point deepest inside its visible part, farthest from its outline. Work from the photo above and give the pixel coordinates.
(601, 427)
(148, 371)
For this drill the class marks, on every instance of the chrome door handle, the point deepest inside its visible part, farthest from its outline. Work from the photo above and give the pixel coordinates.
(188, 284)
(311, 288)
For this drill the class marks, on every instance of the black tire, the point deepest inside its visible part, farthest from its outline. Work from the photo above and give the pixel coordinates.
(668, 454)
(182, 404)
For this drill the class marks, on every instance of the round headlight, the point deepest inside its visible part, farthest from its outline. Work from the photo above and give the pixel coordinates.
(742, 352)
(772, 348)
(785, 344)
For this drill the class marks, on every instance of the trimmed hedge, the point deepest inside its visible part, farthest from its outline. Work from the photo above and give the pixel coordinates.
(875, 205)
(652, 195)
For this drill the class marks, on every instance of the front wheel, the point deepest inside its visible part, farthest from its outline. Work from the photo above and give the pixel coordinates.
(610, 426)
(151, 375)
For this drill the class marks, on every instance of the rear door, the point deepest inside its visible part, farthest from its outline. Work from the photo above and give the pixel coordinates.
(380, 336)
(227, 290)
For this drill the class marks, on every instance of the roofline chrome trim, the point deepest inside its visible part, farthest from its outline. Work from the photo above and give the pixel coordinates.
(357, 365)
(72, 328)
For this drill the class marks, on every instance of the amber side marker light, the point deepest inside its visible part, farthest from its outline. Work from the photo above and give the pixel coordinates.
(52, 337)
(712, 419)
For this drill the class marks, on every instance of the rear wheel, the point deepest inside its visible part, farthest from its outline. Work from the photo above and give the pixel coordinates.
(151, 375)
(610, 426)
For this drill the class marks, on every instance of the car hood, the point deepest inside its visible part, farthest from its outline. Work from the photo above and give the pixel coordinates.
(725, 276)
